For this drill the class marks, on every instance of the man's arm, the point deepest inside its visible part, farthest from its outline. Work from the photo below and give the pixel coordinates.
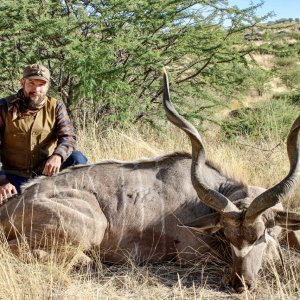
(3, 114)
(6, 188)
(66, 140)
(65, 133)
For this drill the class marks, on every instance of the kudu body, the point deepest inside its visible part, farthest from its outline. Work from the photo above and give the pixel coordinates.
(132, 209)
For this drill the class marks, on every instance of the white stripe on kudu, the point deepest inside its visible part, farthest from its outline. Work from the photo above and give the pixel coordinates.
(245, 250)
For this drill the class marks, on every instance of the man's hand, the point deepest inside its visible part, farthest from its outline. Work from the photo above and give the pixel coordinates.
(52, 165)
(6, 191)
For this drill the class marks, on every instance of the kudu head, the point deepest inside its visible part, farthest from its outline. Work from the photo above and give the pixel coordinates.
(246, 230)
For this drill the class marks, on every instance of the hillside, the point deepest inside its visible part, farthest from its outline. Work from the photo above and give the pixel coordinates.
(274, 90)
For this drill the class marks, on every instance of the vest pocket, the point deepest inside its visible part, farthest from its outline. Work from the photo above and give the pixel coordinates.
(15, 155)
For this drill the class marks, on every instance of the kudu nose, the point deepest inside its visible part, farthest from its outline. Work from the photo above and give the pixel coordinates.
(240, 284)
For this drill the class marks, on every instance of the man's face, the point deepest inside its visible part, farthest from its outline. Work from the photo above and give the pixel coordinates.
(35, 90)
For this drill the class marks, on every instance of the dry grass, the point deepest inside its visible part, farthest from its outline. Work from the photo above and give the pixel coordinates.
(270, 164)
(129, 145)
(205, 280)
(31, 279)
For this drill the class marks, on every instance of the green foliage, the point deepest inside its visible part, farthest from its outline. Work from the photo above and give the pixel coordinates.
(286, 62)
(281, 49)
(295, 35)
(107, 55)
(291, 77)
(257, 79)
(282, 40)
(294, 97)
(269, 120)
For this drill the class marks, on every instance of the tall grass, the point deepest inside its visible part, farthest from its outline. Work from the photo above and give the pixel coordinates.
(208, 279)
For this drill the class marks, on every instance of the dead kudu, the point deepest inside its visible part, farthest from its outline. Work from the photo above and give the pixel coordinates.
(124, 210)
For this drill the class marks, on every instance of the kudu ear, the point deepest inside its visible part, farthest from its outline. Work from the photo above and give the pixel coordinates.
(287, 220)
(207, 224)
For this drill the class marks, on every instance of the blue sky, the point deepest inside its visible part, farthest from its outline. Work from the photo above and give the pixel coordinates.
(282, 8)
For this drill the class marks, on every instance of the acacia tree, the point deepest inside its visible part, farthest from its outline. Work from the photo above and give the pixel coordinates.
(107, 55)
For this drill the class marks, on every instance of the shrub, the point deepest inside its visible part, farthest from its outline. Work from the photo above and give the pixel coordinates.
(291, 77)
(270, 120)
(294, 96)
(285, 61)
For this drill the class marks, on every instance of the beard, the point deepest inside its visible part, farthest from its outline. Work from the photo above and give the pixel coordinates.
(33, 101)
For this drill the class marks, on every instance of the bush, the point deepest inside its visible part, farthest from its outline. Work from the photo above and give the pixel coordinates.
(281, 49)
(285, 61)
(270, 120)
(294, 97)
(291, 77)
(259, 80)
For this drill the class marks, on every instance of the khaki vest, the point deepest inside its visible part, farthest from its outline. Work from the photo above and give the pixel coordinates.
(27, 143)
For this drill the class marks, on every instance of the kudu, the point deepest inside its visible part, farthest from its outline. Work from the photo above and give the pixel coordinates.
(245, 222)
(132, 209)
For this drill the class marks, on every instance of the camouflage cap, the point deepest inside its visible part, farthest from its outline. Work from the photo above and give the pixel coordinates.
(36, 71)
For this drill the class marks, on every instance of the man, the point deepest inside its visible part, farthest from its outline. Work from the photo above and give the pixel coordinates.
(37, 136)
